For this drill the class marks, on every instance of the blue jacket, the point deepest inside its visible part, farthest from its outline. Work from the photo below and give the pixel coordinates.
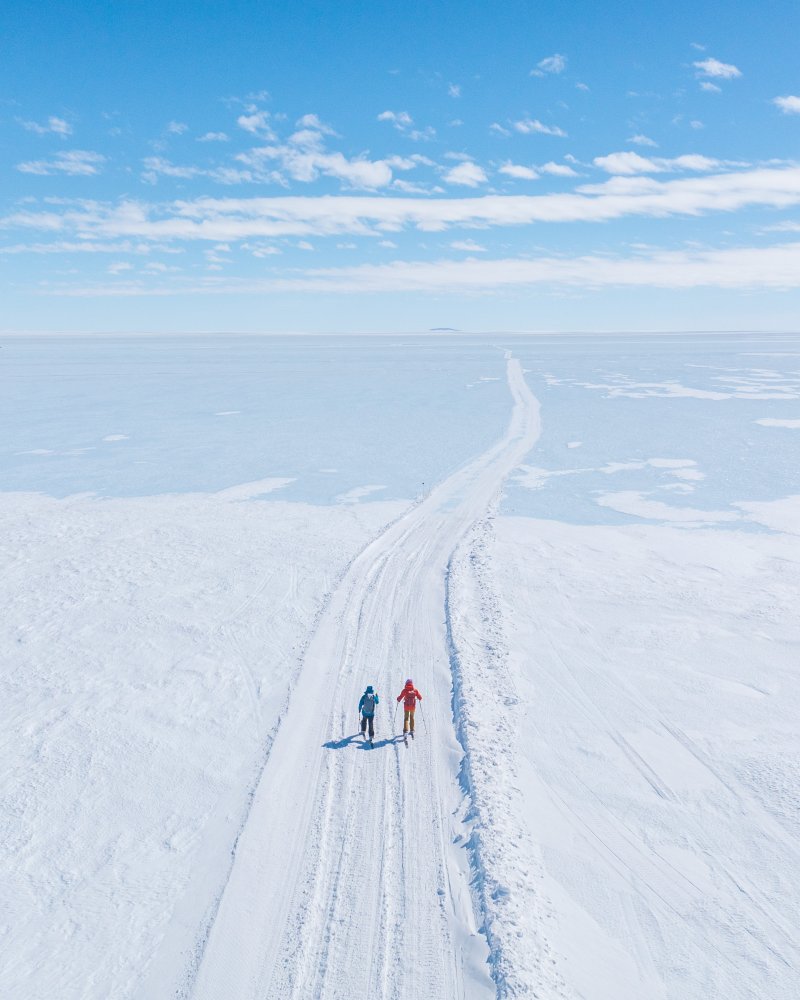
(366, 711)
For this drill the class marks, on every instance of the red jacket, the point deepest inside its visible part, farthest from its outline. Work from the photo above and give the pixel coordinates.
(411, 696)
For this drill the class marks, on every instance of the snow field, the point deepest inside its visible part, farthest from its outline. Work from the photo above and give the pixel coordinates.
(367, 896)
(604, 804)
(148, 647)
(656, 741)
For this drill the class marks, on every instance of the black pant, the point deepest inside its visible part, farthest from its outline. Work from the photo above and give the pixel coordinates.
(371, 720)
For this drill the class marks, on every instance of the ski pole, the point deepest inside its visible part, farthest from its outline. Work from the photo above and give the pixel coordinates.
(424, 723)
(394, 719)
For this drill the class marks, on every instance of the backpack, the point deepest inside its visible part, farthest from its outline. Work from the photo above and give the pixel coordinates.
(368, 705)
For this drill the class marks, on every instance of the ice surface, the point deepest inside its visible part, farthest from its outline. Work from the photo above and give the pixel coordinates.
(619, 759)
(638, 405)
(144, 416)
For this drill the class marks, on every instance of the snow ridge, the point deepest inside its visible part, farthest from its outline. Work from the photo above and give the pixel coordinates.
(486, 714)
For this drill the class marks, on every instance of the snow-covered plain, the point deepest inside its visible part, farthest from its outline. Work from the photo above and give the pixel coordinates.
(584, 550)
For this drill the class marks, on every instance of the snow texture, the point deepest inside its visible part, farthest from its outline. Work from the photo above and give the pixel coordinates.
(589, 568)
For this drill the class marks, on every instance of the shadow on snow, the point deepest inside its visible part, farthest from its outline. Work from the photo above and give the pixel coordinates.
(354, 740)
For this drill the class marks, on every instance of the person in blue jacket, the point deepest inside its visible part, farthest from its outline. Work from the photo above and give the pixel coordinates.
(366, 706)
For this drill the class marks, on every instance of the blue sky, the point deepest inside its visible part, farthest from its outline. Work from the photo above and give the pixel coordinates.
(384, 166)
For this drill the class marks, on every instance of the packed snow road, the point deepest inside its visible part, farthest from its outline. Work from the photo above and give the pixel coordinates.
(345, 880)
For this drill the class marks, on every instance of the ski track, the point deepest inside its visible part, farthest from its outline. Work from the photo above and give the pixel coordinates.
(344, 879)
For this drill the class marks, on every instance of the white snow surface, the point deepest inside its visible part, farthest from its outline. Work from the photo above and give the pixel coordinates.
(651, 682)
(148, 647)
(602, 800)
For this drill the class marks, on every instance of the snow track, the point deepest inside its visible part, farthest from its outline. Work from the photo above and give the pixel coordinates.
(345, 879)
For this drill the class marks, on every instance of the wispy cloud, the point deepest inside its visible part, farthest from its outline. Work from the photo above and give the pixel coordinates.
(789, 105)
(528, 126)
(157, 166)
(775, 267)
(238, 219)
(628, 163)
(710, 87)
(213, 137)
(519, 172)
(643, 140)
(73, 162)
(401, 120)
(454, 89)
(404, 123)
(315, 123)
(715, 68)
(551, 64)
(468, 246)
(53, 126)
(467, 174)
(256, 122)
(557, 169)
(771, 267)
(176, 128)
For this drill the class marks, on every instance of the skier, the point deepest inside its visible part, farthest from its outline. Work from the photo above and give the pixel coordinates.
(409, 696)
(366, 706)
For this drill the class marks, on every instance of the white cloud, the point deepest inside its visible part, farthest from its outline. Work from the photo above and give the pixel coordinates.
(269, 218)
(499, 129)
(557, 169)
(775, 267)
(213, 137)
(408, 187)
(400, 119)
(262, 249)
(696, 124)
(581, 86)
(743, 268)
(529, 125)
(710, 87)
(789, 105)
(53, 126)
(119, 267)
(551, 64)
(783, 227)
(306, 164)
(643, 140)
(314, 122)
(454, 89)
(155, 166)
(404, 123)
(717, 69)
(401, 162)
(84, 246)
(518, 171)
(469, 246)
(628, 163)
(257, 123)
(467, 174)
(177, 128)
(74, 162)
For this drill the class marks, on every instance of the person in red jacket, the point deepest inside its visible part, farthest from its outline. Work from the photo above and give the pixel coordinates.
(409, 697)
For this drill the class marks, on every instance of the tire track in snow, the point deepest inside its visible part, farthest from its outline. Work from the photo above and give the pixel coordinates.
(314, 872)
